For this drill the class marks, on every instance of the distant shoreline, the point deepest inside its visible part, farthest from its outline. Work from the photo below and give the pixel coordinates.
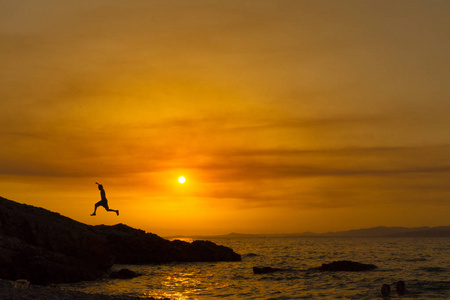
(374, 232)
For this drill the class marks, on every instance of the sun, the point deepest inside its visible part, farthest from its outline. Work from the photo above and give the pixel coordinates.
(181, 179)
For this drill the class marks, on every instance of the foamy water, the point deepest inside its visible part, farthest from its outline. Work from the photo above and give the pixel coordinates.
(424, 264)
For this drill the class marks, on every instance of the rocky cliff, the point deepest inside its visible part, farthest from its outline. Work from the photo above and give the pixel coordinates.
(45, 247)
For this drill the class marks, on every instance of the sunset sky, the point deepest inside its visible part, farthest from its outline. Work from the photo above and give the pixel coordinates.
(283, 116)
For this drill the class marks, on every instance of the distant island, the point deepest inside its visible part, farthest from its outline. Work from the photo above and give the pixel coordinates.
(374, 232)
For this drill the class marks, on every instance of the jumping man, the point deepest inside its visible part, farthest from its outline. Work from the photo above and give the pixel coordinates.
(103, 202)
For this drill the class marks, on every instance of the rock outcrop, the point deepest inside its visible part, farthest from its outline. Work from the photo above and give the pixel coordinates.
(135, 246)
(45, 247)
(123, 274)
(346, 265)
(265, 270)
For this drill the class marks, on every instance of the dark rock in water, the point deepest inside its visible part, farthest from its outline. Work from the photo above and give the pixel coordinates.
(250, 255)
(123, 274)
(45, 247)
(345, 265)
(206, 250)
(265, 270)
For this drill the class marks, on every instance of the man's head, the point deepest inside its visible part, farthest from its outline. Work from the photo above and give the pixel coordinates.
(100, 187)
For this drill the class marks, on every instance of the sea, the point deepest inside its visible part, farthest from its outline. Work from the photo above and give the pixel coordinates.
(422, 263)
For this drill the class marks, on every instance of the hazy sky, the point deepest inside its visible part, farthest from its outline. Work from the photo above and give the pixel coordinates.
(284, 116)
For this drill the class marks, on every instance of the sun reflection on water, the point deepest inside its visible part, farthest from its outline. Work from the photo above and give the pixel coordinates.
(184, 285)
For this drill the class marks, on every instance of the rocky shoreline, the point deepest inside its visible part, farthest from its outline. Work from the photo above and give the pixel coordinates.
(54, 293)
(44, 247)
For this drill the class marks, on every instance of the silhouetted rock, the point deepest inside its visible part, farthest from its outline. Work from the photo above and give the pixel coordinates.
(135, 246)
(345, 265)
(53, 293)
(250, 255)
(45, 247)
(123, 274)
(265, 270)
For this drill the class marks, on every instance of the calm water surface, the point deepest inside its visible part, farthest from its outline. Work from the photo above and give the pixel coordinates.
(424, 264)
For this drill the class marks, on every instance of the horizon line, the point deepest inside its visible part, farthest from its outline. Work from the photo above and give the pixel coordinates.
(304, 232)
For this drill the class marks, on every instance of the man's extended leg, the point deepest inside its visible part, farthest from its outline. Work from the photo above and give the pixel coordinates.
(116, 211)
(95, 208)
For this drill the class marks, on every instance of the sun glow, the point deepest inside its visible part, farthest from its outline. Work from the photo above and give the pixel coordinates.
(181, 179)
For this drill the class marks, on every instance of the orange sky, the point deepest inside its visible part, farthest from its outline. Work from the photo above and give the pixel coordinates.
(284, 116)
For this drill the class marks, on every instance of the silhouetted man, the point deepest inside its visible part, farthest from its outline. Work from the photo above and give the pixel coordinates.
(103, 202)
